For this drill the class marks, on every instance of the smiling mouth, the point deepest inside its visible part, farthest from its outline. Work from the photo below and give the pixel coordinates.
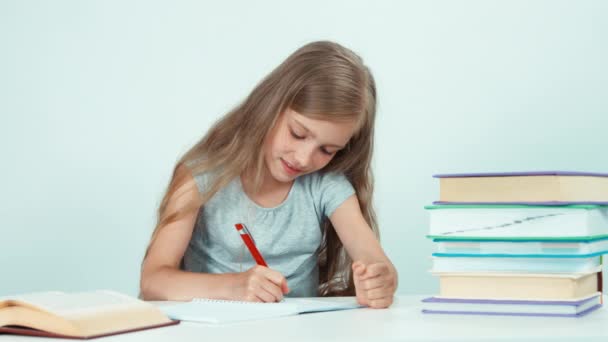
(290, 169)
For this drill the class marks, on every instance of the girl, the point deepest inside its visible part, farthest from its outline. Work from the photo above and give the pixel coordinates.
(292, 162)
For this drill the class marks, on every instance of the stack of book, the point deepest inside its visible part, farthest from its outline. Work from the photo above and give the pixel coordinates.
(522, 243)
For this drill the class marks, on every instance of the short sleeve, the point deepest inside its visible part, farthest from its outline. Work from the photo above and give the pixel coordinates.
(202, 182)
(333, 190)
(202, 179)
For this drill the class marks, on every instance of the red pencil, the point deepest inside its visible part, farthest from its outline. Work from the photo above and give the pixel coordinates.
(248, 240)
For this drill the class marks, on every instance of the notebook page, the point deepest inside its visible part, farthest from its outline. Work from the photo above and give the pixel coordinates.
(215, 311)
(219, 311)
(306, 305)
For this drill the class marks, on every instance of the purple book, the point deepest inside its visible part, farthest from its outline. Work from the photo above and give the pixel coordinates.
(499, 307)
(521, 173)
(551, 203)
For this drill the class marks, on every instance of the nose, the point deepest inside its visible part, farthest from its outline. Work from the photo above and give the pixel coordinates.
(303, 156)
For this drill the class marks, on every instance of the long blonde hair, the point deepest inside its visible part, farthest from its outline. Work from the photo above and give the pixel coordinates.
(322, 80)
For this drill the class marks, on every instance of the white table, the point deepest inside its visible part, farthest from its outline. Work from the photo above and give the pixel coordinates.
(402, 322)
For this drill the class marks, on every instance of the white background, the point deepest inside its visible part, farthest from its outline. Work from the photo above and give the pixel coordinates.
(98, 99)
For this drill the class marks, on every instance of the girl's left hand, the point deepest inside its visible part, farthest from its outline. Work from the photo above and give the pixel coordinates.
(375, 284)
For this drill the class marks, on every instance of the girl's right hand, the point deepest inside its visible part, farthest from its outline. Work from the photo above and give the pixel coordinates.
(261, 284)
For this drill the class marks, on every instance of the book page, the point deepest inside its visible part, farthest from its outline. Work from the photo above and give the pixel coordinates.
(79, 303)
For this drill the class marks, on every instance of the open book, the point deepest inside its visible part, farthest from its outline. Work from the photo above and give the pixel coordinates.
(223, 311)
(77, 315)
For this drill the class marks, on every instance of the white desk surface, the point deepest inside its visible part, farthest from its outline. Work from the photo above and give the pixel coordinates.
(402, 322)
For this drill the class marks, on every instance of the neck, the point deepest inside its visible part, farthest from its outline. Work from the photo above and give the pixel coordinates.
(269, 190)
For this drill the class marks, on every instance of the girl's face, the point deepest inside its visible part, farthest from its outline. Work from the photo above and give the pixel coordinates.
(298, 145)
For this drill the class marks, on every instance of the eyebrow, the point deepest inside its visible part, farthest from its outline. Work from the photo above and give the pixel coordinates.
(313, 135)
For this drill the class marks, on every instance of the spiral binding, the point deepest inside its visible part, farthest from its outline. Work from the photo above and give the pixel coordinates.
(225, 301)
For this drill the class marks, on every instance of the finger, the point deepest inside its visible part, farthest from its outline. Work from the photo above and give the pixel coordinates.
(372, 283)
(358, 269)
(285, 287)
(274, 276)
(357, 264)
(275, 293)
(251, 297)
(263, 297)
(376, 269)
(360, 295)
(381, 303)
(276, 279)
(362, 300)
(266, 297)
(378, 293)
(359, 292)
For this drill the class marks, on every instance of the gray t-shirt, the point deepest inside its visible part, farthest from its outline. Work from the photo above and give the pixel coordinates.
(288, 236)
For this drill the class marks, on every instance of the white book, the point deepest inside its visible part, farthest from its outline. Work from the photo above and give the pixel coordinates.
(517, 220)
(515, 247)
(516, 265)
(224, 311)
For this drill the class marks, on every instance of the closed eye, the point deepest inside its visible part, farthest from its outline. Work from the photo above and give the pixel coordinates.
(325, 151)
(293, 134)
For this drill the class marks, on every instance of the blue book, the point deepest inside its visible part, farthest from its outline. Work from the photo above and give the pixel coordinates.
(523, 264)
(505, 248)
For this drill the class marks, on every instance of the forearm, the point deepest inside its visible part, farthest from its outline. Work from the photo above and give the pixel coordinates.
(168, 283)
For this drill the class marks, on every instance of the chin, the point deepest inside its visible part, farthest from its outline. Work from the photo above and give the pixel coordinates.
(280, 175)
(285, 178)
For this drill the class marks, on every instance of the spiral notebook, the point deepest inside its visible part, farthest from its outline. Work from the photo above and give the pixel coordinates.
(223, 311)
